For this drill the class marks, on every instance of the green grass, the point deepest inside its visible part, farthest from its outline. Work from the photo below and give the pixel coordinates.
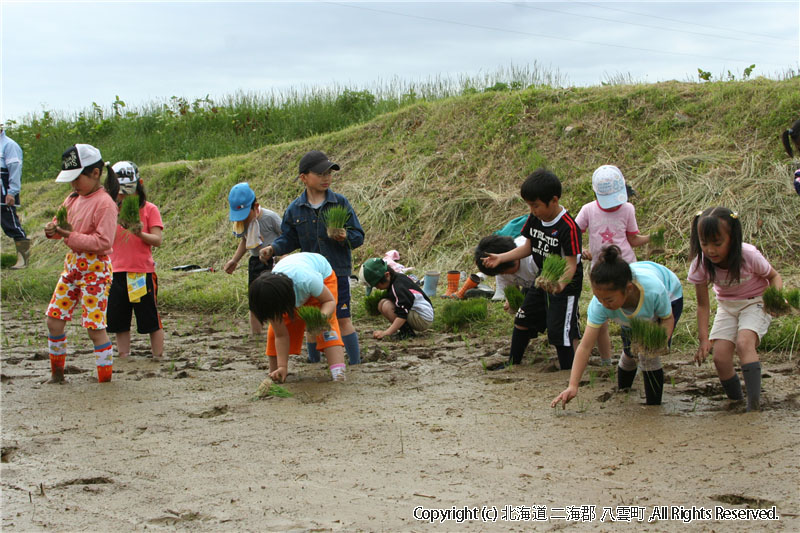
(657, 239)
(8, 260)
(314, 319)
(454, 315)
(514, 297)
(649, 335)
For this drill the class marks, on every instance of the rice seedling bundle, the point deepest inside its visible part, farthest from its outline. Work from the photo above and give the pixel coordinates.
(657, 239)
(648, 336)
(514, 296)
(461, 312)
(775, 301)
(335, 219)
(315, 321)
(371, 301)
(266, 388)
(61, 218)
(129, 214)
(553, 269)
(793, 297)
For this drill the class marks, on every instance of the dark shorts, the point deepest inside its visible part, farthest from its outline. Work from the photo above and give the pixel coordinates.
(120, 308)
(255, 268)
(343, 303)
(556, 314)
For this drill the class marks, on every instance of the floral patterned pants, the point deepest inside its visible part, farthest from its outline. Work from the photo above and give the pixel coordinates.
(86, 279)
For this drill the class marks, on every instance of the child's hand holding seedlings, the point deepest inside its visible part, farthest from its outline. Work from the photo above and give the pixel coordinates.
(279, 374)
(338, 234)
(50, 229)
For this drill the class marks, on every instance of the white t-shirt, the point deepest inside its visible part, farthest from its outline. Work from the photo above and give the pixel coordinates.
(524, 277)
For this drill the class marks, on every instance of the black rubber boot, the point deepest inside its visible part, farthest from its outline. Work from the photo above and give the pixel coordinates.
(653, 386)
(625, 378)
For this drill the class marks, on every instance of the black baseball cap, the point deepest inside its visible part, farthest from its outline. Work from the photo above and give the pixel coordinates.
(316, 162)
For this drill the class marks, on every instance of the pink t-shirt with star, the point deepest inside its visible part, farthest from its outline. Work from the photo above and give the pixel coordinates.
(608, 227)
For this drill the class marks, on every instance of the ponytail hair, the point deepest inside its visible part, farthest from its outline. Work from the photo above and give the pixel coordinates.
(708, 225)
(111, 184)
(794, 134)
(611, 269)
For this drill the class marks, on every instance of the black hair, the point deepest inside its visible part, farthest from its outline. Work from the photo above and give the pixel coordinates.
(611, 269)
(794, 134)
(140, 193)
(271, 295)
(111, 184)
(707, 226)
(541, 185)
(494, 244)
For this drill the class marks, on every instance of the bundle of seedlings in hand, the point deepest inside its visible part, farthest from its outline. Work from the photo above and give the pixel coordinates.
(335, 219)
(61, 218)
(129, 214)
(458, 313)
(657, 241)
(315, 321)
(647, 336)
(552, 270)
(775, 301)
(793, 297)
(514, 297)
(371, 301)
(268, 388)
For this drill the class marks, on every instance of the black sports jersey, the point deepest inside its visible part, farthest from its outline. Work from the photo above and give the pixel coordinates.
(560, 236)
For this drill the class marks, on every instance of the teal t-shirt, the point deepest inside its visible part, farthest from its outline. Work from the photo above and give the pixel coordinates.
(658, 287)
(307, 272)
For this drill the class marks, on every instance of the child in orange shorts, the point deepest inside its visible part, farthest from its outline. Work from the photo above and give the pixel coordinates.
(298, 280)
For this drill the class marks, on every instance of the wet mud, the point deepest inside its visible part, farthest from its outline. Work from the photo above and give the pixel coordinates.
(185, 443)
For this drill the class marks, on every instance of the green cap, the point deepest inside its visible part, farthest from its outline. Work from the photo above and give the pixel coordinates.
(374, 269)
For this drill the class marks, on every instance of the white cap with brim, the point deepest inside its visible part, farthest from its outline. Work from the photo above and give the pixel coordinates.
(75, 159)
(609, 186)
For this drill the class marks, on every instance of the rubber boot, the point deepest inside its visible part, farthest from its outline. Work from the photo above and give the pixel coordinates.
(471, 283)
(430, 282)
(453, 279)
(653, 385)
(23, 254)
(625, 378)
(104, 373)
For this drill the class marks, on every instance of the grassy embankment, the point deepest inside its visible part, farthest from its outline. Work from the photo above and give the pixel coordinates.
(433, 177)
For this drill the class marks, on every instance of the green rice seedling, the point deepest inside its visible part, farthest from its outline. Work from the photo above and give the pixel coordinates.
(552, 270)
(648, 336)
(657, 239)
(371, 301)
(335, 219)
(61, 218)
(315, 321)
(793, 297)
(592, 378)
(459, 313)
(266, 389)
(129, 214)
(514, 297)
(775, 301)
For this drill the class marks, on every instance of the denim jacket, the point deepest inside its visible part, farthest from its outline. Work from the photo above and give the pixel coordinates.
(303, 228)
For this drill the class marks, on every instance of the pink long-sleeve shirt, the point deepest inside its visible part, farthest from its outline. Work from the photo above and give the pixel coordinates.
(94, 222)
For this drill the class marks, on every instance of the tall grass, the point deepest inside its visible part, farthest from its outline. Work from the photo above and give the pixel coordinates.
(176, 128)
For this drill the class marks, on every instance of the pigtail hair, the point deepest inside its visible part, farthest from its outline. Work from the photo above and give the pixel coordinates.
(111, 184)
(786, 144)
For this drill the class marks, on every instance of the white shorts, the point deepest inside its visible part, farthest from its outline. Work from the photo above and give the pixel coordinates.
(735, 315)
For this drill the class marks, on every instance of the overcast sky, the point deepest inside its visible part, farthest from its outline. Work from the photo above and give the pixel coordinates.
(65, 55)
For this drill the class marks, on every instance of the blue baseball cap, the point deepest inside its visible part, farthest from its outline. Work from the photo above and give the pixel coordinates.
(241, 199)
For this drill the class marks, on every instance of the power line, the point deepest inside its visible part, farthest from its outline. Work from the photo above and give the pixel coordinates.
(599, 6)
(659, 28)
(531, 34)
